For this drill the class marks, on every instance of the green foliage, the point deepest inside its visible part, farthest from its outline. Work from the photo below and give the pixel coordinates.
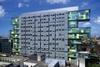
(93, 65)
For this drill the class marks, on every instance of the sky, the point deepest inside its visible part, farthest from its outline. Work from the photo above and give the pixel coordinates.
(13, 8)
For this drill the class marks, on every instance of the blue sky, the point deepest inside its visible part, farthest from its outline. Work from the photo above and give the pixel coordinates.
(13, 8)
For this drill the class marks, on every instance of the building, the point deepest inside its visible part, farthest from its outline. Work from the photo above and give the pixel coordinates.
(5, 64)
(52, 32)
(5, 46)
(45, 32)
(76, 33)
(14, 61)
(14, 36)
(32, 61)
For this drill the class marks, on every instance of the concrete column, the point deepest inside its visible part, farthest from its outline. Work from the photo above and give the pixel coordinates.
(81, 62)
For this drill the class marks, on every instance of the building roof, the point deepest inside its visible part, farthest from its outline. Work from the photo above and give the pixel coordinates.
(35, 63)
(29, 63)
(4, 63)
(84, 52)
(41, 64)
(53, 61)
(52, 10)
(15, 58)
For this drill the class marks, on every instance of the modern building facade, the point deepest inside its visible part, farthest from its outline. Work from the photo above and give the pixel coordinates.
(45, 32)
(14, 36)
(52, 32)
(76, 33)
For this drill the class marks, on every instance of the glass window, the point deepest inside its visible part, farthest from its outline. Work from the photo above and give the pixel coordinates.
(77, 36)
(79, 30)
(75, 41)
(72, 24)
(79, 15)
(72, 15)
(84, 15)
(71, 36)
(73, 30)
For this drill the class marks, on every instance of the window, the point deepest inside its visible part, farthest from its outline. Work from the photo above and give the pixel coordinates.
(79, 15)
(72, 24)
(84, 15)
(73, 30)
(71, 36)
(72, 15)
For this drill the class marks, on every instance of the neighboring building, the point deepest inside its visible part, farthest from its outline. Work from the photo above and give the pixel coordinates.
(82, 57)
(5, 64)
(32, 61)
(14, 36)
(5, 46)
(15, 61)
(39, 61)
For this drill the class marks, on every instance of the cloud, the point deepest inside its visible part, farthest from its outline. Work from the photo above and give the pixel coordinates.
(87, 24)
(84, 4)
(2, 11)
(57, 1)
(94, 31)
(21, 4)
(97, 20)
